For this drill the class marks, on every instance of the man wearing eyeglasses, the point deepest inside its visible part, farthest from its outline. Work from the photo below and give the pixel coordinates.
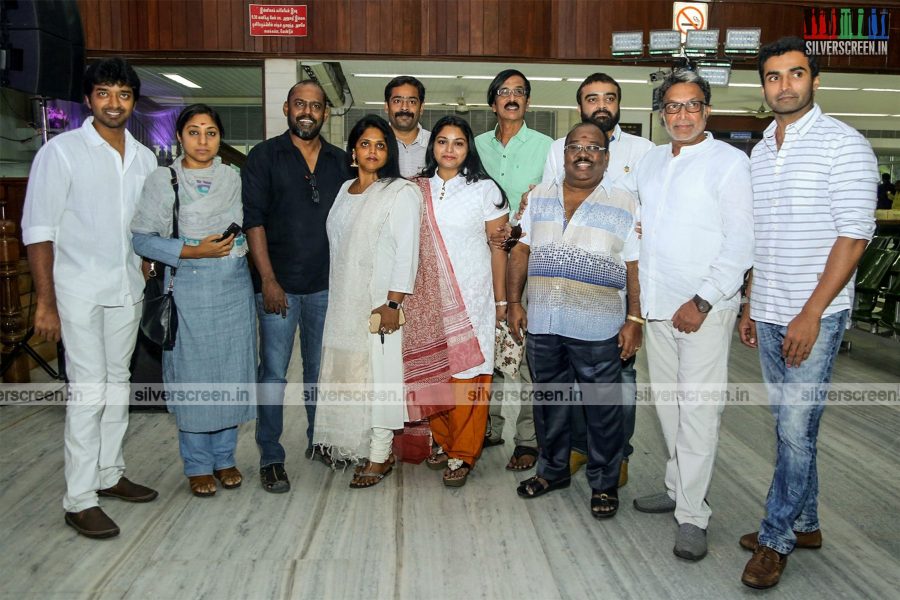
(289, 184)
(514, 156)
(404, 102)
(580, 253)
(696, 245)
(599, 97)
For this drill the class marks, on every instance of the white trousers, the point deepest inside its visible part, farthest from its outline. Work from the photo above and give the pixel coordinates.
(99, 342)
(681, 365)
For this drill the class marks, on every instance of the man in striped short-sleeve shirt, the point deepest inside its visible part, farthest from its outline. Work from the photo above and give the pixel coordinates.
(814, 182)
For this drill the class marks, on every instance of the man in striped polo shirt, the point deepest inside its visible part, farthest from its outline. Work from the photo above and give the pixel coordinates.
(579, 257)
(814, 185)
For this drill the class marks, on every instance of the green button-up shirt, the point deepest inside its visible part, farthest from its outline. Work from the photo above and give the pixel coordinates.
(518, 164)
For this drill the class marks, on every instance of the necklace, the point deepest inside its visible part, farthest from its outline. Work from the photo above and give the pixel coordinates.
(443, 190)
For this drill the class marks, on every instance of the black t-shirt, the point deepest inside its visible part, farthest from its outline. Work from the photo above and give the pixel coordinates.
(278, 195)
(883, 189)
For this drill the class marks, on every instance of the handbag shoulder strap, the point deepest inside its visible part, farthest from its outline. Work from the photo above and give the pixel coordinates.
(175, 208)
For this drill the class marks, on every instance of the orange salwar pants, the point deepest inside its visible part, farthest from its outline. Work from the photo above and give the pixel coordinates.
(460, 431)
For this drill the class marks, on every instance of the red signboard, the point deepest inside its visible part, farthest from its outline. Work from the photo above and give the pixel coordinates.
(287, 20)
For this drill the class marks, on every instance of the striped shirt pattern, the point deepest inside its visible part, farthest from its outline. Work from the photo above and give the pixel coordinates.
(820, 185)
(576, 270)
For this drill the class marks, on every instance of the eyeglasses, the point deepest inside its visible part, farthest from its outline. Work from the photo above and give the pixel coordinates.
(315, 190)
(401, 100)
(576, 148)
(511, 92)
(692, 106)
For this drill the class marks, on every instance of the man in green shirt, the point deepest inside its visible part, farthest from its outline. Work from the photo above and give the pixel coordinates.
(514, 157)
(512, 154)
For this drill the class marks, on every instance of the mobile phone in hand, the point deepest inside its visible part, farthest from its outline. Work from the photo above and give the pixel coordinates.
(233, 229)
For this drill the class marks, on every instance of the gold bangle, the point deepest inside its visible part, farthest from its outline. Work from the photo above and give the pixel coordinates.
(637, 320)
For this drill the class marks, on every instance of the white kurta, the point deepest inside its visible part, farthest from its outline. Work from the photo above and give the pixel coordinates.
(396, 259)
(461, 216)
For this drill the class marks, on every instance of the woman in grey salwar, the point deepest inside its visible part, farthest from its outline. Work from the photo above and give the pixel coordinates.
(215, 347)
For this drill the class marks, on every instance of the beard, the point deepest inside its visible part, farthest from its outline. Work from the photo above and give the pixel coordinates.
(305, 132)
(602, 119)
(409, 121)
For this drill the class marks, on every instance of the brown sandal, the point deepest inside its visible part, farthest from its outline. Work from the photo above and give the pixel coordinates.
(231, 478)
(200, 485)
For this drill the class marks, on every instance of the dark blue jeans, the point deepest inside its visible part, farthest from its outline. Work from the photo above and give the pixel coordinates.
(629, 393)
(797, 400)
(557, 363)
(276, 342)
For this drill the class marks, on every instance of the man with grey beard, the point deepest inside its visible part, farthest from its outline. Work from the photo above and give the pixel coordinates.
(289, 185)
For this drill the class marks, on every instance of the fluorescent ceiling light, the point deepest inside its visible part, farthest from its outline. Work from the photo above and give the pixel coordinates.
(485, 77)
(838, 89)
(833, 114)
(559, 106)
(545, 78)
(879, 90)
(730, 111)
(641, 81)
(182, 80)
(748, 85)
(641, 108)
(391, 76)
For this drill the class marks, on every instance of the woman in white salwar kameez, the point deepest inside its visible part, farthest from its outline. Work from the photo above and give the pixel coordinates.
(373, 235)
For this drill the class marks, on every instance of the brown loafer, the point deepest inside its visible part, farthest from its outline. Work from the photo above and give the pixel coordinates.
(231, 478)
(764, 569)
(93, 523)
(202, 486)
(805, 539)
(129, 491)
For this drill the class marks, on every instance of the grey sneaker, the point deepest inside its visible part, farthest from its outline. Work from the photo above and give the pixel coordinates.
(655, 503)
(690, 543)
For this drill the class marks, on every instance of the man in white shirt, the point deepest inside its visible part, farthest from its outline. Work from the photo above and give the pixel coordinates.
(697, 243)
(82, 192)
(599, 97)
(404, 102)
(814, 194)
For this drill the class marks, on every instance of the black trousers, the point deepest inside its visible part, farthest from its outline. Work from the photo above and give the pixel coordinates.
(557, 363)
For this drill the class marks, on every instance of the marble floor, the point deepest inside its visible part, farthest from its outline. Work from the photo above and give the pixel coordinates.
(413, 538)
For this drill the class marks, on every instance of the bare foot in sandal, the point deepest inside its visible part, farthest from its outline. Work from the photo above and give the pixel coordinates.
(371, 473)
(457, 472)
(523, 458)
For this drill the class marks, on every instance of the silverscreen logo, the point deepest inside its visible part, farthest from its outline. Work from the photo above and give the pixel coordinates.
(846, 31)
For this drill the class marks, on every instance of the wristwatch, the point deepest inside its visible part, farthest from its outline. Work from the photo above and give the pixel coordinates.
(702, 305)
(392, 305)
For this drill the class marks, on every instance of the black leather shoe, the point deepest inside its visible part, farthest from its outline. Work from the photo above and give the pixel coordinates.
(93, 523)
(129, 491)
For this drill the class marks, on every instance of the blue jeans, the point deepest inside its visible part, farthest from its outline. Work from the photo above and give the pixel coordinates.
(276, 341)
(204, 453)
(629, 394)
(797, 400)
(558, 363)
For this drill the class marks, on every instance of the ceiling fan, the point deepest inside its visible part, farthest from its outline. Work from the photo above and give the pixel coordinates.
(761, 112)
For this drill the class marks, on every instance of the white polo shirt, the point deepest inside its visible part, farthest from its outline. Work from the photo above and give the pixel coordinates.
(412, 155)
(697, 224)
(81, 196)
(625, 150)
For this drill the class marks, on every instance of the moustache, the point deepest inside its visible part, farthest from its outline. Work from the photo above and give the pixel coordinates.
(512, 105)
(404, 113)
(601, 111)
(305, 118)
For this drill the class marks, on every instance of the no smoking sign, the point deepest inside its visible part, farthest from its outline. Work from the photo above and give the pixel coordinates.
(688, 15)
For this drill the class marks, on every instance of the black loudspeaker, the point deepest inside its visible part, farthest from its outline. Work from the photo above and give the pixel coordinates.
(43, 44)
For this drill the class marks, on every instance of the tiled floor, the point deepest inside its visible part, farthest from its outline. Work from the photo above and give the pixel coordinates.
(413, 538)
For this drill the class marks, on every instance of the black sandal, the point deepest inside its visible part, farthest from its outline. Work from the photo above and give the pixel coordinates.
(604, 503)
(535, 486)
(519, 452)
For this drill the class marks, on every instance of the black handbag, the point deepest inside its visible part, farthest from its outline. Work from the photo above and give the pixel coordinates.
(159, 317)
